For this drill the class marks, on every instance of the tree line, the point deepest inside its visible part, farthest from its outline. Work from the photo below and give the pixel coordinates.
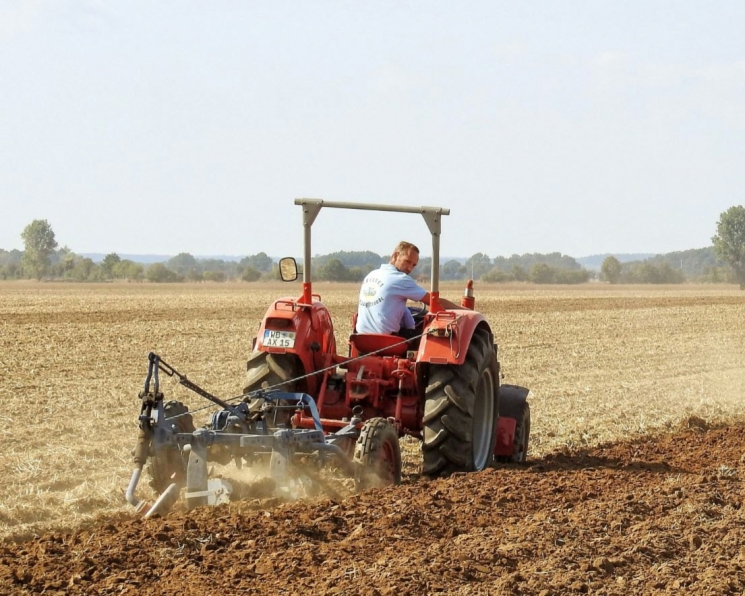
(722, 262)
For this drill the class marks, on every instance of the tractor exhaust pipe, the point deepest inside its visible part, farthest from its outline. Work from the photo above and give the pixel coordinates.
(468, 301)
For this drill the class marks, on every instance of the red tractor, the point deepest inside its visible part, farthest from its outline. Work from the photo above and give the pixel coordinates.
(306, 406)
(441, 387)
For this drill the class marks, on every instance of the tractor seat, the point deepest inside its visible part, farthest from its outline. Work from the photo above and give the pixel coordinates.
(364, 343)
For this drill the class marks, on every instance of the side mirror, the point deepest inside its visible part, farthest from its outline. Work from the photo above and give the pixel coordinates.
(288, 269)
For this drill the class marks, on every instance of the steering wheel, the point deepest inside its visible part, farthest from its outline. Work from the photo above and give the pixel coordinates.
(418, 312)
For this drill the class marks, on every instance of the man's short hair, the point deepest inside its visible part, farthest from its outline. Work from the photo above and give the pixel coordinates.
(404, 246)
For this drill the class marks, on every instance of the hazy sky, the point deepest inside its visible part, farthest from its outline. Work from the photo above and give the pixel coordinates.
(557, 126)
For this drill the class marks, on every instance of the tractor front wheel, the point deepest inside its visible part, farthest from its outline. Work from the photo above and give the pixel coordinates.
(460, 412)
(377, 455)
(166, 465)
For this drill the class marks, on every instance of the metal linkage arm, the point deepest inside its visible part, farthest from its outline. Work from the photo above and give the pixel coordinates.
(171, 372)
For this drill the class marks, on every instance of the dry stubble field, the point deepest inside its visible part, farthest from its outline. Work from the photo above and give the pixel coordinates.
(605, 365)
(602, 362)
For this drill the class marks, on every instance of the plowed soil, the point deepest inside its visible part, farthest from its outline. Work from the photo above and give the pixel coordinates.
(657, 515)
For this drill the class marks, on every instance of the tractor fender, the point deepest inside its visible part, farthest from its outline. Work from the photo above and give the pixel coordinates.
(448, 335)
(314, 333)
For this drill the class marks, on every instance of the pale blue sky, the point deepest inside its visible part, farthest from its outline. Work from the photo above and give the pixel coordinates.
(573, 127)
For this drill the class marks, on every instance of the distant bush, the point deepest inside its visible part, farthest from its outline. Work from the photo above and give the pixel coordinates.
(541, 273)
(645, 272)
(574, 276)
(218, 276)
(333, 270)
(497, 276)
(127, 269)
(11, 271)
(84, 269)
(251, 274)
(260, 262)
(715, 275)
(159, 273)
(610, 270)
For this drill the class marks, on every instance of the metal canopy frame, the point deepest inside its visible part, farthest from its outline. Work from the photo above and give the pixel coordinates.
(432, 217)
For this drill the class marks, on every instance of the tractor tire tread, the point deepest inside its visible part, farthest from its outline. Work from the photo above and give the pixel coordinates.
(375, 434)
(450, 432)
(272, 370)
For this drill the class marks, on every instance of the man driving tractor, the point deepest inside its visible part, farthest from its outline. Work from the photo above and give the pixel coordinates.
(384, 292)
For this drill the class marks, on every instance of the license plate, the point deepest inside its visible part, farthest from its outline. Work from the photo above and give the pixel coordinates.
(279, 339)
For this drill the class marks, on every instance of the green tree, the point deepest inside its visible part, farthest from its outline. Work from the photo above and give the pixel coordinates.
(555, 260)
(84, 269)
(453, 270)
(729, 241)
(10, 271)
(611, 270)
(10, 264)
(477, 265)
(357, 273)
(365, 259)
(334, 270)
(129, 270)
(713, 275)
(218, 276)
(108, 264)
(226, 267)
(63, 262)
(260, 261)
(496, 275)
(669, 274)
(251, 274)
(195, 275)
(422, 272)
(646, 272)
(541, 273)
(183, 264)
(39, 243)
(519, 273)
(159, 273)
(649, 274)
(571, 276)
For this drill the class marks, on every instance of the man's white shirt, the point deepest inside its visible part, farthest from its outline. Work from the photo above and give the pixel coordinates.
(383, 296)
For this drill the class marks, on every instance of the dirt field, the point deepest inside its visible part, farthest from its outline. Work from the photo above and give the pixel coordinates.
(634, 483)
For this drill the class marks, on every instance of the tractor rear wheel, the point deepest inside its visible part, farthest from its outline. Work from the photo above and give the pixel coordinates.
(269, 370)
(377, 455)
(166, 465)
(460, 411)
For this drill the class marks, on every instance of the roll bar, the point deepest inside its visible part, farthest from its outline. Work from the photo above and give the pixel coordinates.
(431, 215)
